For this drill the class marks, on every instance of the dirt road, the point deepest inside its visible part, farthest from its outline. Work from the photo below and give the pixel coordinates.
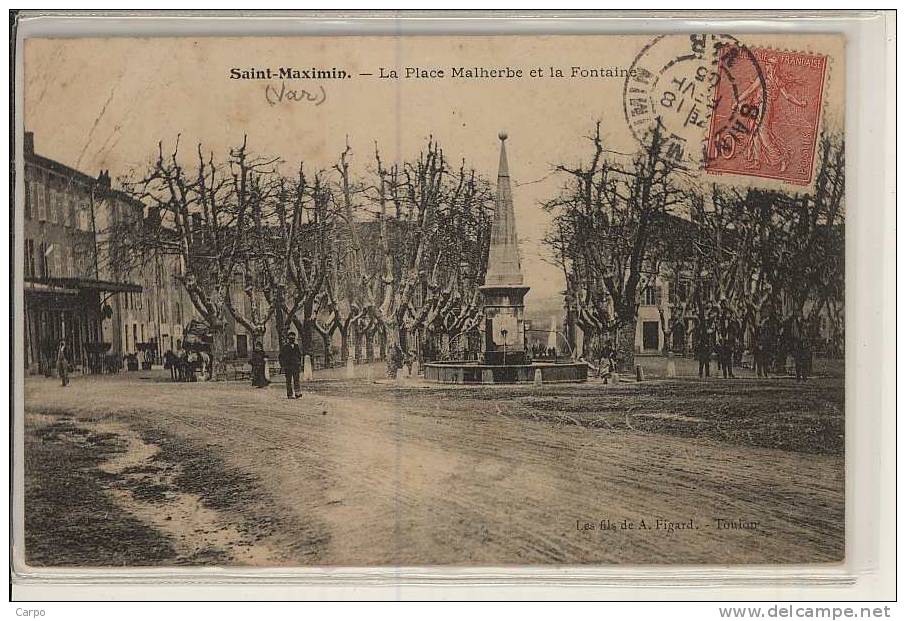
(404, 478)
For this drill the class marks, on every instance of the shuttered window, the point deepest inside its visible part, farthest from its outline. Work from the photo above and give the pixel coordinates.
(30, 257)
(41, 200)
(54, 213)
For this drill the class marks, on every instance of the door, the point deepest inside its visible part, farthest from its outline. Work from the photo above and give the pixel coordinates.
(650, 334)
(242, 346)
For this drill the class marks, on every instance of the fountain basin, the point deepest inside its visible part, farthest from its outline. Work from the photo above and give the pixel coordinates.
(472, 372)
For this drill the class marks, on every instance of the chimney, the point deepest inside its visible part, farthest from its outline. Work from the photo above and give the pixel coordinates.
(29, 146)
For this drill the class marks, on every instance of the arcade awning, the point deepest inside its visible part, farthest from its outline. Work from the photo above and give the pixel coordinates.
(84, 283)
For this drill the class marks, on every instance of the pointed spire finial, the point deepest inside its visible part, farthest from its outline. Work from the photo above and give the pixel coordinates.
(504, 268)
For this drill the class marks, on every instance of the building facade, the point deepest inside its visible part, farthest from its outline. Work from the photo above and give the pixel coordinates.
(73, 292)
(65, 295)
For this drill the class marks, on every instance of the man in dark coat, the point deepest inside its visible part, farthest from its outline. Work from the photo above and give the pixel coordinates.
(291, 362)
(703, 350)
(170, 363)
(725, 350)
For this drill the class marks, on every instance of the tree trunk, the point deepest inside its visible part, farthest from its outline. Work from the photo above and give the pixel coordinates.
(392, 347)
(369, 346)
(219, 347)
(625, 346)
(358, 342)
(344, 343)
(325, 338)
(304, 327)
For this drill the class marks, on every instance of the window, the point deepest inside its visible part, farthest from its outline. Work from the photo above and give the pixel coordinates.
(680, 290)
(84, 217)
(57, 260)
(54, 198)
(652, 296)
(30, 257)
(77, 269)
(61, 208)
(70, 263)
(29, 197)
(42, 260)
(71, 218)
(41, 196)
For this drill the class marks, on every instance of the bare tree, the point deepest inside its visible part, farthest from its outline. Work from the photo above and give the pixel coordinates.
(604, 225)
(196, 215)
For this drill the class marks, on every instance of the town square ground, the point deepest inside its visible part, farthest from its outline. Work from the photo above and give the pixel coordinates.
(135, 470)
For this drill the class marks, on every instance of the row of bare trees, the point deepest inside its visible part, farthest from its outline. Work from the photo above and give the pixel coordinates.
(394, 253)
(621, 223)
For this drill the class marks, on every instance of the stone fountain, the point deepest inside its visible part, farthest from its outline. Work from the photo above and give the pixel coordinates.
(503, 356)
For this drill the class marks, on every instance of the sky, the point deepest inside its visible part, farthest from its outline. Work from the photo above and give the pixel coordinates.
(105, 103)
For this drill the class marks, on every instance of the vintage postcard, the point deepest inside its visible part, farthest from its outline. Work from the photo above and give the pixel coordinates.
(450, 300)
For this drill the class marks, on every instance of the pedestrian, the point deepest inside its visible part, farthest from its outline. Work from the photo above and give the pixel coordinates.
(801, 349)
(396, 361)
(258, 360)
(179, 362)
(703, 350)
(191, 368)
(63, 363)
(291, 363)
(168, 364)
(725, 353)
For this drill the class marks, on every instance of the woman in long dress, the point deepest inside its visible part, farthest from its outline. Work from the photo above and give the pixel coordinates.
(258, 360)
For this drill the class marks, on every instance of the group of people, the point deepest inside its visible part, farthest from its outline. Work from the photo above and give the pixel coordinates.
(775, 341)
(720, 336)
(541, 352)
(290, 358)
(186, 365)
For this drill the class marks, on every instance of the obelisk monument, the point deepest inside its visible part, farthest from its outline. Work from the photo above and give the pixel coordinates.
(503, 290)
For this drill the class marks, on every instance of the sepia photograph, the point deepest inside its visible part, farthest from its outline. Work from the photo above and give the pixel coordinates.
(457, 301)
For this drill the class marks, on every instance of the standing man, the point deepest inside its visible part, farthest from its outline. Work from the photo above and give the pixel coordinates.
(62, 363)
(725, 352)
(291, 362)
(169, 364)
(703, 350)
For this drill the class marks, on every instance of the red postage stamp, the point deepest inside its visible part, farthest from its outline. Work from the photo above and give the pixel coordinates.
(766, 115)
